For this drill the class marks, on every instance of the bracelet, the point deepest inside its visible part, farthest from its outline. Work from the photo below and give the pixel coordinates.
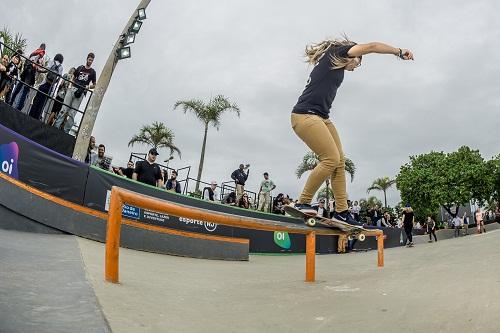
(400, 55)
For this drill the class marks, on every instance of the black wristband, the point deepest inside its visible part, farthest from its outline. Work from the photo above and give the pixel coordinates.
(400, 55)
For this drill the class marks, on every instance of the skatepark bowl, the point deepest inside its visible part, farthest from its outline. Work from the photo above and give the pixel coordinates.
(120, 196)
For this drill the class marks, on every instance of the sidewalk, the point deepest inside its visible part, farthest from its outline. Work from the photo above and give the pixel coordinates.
(448, 286)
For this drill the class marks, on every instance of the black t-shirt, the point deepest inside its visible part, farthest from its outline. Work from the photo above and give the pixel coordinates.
(83, 76)
(321, 88)
(147, 173)
(128, 172)
(408, 218)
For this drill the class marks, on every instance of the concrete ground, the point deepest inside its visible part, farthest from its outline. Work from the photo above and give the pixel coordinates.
(448, 286)
(43, 286)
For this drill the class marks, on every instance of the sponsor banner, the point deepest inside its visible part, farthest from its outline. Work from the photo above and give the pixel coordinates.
(41, 167)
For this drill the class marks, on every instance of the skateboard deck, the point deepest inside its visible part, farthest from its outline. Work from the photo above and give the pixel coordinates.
(311, 220)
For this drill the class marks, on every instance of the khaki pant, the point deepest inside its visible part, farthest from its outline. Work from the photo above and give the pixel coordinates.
(322, 138)
(240, 189)
(264, 201)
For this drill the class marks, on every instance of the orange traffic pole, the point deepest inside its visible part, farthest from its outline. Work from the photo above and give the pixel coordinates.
(380, 249)
(310, 256)
(113, 236)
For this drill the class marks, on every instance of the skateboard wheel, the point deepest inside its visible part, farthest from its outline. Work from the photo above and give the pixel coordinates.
(350, 237)
(311, 222)
(361, 237)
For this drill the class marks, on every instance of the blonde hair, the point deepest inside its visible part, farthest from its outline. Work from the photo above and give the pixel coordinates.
(314, 52)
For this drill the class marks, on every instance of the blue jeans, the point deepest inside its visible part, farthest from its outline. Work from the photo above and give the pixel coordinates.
(18, 97)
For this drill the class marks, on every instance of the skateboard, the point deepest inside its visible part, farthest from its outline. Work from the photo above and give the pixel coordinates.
(311, 220)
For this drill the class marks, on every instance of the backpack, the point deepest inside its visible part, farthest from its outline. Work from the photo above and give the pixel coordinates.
(52, 75)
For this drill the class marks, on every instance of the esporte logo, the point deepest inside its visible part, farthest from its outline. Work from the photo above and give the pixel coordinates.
(8, 159)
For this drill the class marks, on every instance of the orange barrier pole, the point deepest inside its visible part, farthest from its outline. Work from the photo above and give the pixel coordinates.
(113, 236)
(310, 256)
(380, 249)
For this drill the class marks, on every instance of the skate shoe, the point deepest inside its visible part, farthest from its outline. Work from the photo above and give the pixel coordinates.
(346, 217)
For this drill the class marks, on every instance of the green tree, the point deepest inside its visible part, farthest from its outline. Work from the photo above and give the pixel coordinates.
(311, 160)
(15, 41)
(156, 135)
(450, 180)
(209, 114)
(382, 184)
(322, 193)
(493, 167)
(366, 204)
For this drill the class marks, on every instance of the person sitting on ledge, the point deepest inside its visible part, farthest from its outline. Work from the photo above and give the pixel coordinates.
(209, 191)
(173, 184)
(244, 202)
(230, 199)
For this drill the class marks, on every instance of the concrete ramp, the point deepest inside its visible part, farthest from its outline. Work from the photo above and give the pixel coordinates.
(43, 285)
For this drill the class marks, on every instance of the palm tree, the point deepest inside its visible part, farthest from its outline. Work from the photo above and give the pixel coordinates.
(311, 160)
(156, 135)
(382, 184)
(209, 114)
(15, 42)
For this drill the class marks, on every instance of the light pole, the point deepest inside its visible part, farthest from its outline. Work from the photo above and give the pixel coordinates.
(169, 159)
(118, 52)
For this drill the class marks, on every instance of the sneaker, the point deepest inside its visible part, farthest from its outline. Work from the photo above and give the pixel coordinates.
(346, 218)
(305, 208)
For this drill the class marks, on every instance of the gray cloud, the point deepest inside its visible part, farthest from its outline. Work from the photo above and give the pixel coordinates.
(251, 51)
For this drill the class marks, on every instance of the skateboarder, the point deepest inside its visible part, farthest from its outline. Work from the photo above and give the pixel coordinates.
(310, 116)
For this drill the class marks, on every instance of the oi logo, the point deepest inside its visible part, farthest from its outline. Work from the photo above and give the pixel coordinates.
(8, 159)
(282, 239)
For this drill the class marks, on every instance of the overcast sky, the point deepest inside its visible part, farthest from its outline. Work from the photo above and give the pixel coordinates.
(252, 52)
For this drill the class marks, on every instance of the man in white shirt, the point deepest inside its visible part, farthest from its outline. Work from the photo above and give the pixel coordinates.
(266, 186)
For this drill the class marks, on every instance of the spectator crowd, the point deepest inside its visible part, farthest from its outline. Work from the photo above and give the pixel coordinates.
(37, 86)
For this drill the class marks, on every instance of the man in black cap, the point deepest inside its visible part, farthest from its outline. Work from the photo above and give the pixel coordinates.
(240, 177)
(147, 171)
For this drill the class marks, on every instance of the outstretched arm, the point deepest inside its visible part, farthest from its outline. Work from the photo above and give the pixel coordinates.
(377, 47)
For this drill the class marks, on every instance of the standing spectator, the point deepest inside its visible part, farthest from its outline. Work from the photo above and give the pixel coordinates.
(465, 220)
(91, 154)
(61, 93)
(9, 76)
(85, 78)
(457, 222)
(266, 186)
(172, 183)
(31, 66)
(51, 79)
(102, 161)
(321, 209)
(375, 215)
(355, 209)
(431, 229)
(209, 191)
(331, 206)
(480, 221)
(240, 177)
(408, 220)
(147, 171)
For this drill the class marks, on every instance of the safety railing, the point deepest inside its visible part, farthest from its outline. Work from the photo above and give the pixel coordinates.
(120, 196)
(44, 100)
